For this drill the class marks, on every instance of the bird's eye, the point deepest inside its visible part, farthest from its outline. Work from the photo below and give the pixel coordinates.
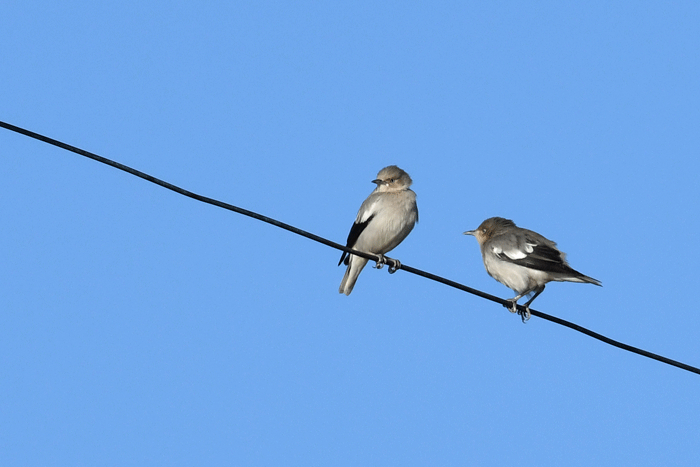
(392, 180)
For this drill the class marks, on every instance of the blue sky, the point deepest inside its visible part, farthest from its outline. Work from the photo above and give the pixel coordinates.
(139, 327)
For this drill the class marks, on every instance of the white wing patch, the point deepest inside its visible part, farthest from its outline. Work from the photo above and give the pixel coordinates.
(513, 253)
(367, 211)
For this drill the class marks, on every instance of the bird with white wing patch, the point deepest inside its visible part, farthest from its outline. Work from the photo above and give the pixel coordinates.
(384, 220)
(522, 260)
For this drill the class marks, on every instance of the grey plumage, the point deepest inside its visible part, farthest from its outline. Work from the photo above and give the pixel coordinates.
(522, 260)
(384, 220)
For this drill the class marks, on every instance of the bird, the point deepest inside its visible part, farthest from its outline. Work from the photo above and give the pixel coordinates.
(384, 220)
(522, 260)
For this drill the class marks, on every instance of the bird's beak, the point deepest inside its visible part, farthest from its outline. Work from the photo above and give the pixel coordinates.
(470, 232)
(377, 181)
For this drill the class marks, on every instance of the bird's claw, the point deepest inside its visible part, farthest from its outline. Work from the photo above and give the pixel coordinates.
(511, 305)
(395, 265)
(525, 315)
(381, 261)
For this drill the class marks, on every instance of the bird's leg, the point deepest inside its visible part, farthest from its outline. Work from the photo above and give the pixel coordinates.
(513, 303)
(526, 314)
(380, 262)
(395, 265)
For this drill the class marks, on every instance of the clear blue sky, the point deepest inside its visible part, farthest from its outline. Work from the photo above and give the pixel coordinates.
(139, 327)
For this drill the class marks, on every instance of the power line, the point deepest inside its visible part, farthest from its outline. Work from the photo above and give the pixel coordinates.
(338, 246)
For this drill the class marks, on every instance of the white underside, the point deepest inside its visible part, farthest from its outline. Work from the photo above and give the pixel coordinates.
(518, 278)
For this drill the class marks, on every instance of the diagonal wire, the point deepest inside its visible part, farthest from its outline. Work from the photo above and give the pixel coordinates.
(338, 246)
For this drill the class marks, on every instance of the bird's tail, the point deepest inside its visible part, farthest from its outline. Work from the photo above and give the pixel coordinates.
(578, 277)
(355, 266)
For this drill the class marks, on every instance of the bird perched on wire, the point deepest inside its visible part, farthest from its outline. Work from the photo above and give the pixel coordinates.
(385, 218)
(522, 260)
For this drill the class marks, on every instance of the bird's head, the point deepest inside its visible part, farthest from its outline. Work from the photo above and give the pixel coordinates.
(392, 178)
(489, 228)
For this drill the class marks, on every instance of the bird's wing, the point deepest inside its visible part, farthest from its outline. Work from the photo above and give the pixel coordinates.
(530, 253)
(355, 231)
(364, 216)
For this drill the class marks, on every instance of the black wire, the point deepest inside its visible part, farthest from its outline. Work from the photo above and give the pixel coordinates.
(338, 246)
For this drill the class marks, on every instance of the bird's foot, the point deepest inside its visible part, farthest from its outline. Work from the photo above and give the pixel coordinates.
(512, 305)
(394, 266)
(525, 315)
(380, 262)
